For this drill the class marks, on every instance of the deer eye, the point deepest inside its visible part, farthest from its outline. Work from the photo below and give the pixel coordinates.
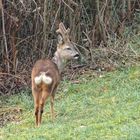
(68, 48)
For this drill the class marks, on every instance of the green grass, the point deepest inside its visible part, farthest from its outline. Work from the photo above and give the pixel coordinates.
(103, 108)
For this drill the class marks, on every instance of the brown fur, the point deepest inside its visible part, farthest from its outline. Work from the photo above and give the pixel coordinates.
(44, 65)
(42, 91)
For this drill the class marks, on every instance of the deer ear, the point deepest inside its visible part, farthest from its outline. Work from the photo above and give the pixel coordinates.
(60, 39)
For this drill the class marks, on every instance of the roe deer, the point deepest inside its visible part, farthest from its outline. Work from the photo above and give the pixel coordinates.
(46, 73)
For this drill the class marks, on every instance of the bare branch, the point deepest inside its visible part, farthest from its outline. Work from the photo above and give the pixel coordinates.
(67, 5)
(4, 35)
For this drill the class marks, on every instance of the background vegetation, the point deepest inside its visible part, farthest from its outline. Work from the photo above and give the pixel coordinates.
(106, 33)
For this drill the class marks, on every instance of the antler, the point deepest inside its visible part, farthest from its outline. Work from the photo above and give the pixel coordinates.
(62, 30)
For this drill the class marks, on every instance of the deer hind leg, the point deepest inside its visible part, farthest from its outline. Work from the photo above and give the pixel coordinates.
(36, 105)
(52, 106)
(44, 97)
(36, 112)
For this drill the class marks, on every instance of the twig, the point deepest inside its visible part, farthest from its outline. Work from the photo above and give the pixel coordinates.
(21, 1)
(37, 9)
(45, 23)
(88, 38)
(67, 5)
(4, 36)
(1, 73)
(73, 2)
(56, 15)
(79, 66)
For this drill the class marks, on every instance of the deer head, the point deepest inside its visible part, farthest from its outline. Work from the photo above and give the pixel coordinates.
(66, 50)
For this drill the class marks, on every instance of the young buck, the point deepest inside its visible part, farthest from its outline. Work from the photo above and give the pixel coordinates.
(46, 73)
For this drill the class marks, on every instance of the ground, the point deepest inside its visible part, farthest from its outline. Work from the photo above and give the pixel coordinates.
(106, 107)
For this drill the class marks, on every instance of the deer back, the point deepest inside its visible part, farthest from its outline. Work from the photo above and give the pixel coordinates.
(46, 68)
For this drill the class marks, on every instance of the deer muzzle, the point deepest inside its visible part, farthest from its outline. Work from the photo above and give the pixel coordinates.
(76, 56)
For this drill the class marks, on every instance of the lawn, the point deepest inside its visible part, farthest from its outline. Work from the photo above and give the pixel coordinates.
(95, 108)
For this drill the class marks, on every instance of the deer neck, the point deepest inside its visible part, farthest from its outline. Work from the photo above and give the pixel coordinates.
(59, 61)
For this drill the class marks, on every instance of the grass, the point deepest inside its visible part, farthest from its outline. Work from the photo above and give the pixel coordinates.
(103, 108)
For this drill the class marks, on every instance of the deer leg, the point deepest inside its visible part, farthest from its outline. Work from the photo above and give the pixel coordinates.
(36, 100)
(52, 106)
(36, 113)
(36, 94)
(45, 95)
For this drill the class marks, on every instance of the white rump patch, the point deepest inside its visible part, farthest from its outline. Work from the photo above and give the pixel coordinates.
(38, 79)
(47, 79)
(43, 78)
